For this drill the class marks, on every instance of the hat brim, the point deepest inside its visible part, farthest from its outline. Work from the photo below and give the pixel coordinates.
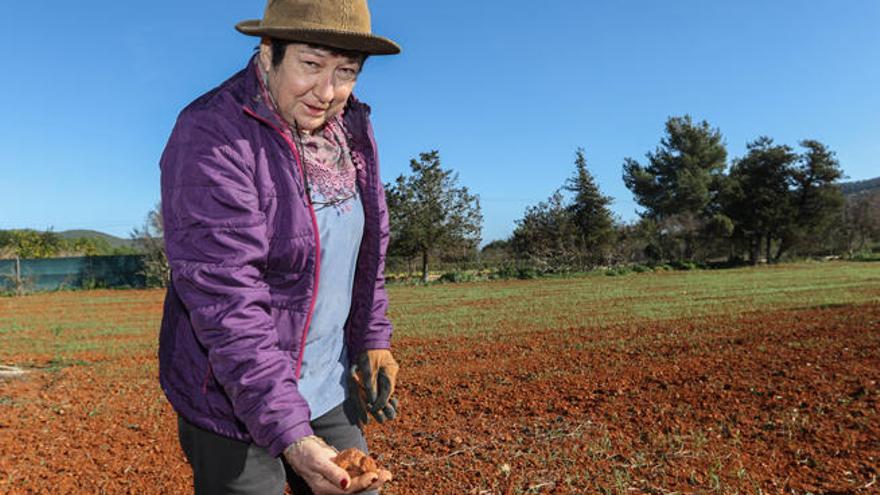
(344, 40)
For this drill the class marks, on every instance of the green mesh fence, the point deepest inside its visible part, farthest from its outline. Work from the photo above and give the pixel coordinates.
(85, 272)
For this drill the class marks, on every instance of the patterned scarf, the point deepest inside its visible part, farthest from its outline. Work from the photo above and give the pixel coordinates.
(329, 167)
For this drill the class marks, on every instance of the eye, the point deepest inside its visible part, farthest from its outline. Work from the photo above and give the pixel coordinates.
(347, 74)
(310, 63)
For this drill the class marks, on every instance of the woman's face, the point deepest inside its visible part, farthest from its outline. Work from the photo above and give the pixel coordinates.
(311, 84)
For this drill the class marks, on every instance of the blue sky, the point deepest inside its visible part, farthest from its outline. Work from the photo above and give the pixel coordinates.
(506, 90)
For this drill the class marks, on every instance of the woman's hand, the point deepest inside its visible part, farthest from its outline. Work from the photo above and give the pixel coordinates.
(312, 459)
(370, 481)
(372, 381)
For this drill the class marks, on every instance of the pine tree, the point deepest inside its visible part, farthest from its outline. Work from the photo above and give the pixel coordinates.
(759, 200)
(560, 233)
(682, 179)
(590, 212)
(817, 198)
(546, 235)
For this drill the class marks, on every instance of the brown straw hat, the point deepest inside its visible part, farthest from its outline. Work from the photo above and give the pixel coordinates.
(343, 24)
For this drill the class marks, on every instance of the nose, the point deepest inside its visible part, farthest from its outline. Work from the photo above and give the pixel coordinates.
(324, 88)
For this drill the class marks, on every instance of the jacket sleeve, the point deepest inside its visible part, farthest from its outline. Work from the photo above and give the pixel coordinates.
(217, 247)
(378, 330)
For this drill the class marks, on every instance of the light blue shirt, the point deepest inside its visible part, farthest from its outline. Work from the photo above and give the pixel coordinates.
(325, 360)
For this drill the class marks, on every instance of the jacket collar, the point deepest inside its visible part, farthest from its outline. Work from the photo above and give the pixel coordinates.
(255, 102)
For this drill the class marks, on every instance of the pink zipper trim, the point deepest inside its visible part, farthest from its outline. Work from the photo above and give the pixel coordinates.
(302, 344)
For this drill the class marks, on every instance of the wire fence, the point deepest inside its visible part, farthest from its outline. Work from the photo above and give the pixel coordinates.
(127, 271)
(20, 276)
(84, 272)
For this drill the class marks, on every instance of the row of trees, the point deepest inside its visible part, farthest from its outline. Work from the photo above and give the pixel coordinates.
(772, 197)
(29, 243)
(771, 202)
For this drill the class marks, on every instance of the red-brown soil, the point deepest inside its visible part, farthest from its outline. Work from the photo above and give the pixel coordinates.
(356, 462)
(783, 402)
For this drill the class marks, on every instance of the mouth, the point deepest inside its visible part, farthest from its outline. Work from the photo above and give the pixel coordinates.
(313, 110)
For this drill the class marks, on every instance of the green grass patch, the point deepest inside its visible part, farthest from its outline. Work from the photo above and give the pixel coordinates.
(558, 303)
(75, 325)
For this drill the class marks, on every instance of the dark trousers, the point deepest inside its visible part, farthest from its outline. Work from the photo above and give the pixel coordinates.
(222, 465)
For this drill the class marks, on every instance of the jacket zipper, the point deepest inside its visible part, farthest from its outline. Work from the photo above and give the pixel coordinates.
(302, 344)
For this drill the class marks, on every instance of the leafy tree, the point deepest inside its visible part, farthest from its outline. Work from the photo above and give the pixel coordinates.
(497, 250)
(86, 246)
(29, 243)
(149, 239)
(817, 198)
(635, 242)
(590, 211)
(682, 179)
(547, 234)
(430, 213)
(757, 198)
(717, 233)
(562, 233)
(860, 221)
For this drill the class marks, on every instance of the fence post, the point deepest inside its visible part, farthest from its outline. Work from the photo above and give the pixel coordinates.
(19, 286)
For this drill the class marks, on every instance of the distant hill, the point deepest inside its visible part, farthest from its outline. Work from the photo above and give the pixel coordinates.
(111, 239)
(860, 186)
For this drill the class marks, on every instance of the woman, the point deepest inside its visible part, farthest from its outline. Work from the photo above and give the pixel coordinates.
(276, 229)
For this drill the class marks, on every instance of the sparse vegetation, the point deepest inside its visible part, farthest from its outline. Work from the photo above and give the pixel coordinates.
(668, 381)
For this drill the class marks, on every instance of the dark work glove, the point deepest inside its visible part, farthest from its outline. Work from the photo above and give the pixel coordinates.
(372, 380)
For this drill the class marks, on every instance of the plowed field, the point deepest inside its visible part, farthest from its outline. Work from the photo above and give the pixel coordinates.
(745, 386)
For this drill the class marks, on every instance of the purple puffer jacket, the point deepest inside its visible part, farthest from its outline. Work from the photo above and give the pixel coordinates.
(241, 240)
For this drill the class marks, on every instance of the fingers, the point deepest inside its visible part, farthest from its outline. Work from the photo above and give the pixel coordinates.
(368, 377)
(331, 477)
(370, 481)
(360, 400)
(313, 460)
(384, 385)
(391, 409)
(377, 374)
(321, 486)
(366, 481)
(389, 412)
(384, 476)
(390, 368)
